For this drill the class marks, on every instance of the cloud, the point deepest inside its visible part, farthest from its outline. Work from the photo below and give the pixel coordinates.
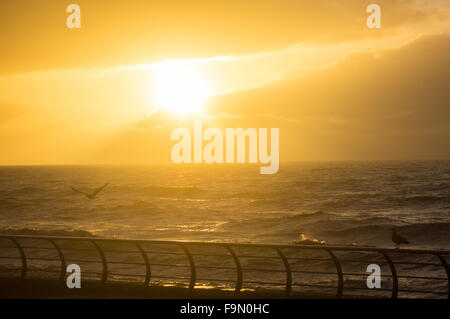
(390, 104)
(370, 106)
(115, 33)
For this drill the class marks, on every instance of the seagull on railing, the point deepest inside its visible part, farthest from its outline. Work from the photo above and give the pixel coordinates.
(94, 193)
(397, 239)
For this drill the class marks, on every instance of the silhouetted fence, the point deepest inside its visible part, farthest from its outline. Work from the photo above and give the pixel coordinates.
(294, 270)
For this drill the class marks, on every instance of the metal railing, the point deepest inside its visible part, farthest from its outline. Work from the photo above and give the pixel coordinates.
(312, 270)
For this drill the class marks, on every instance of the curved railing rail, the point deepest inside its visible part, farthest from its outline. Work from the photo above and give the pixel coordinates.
(335, 271)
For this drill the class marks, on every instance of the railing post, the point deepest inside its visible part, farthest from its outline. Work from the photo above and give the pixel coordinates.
(62, 275)
(104, 262)
(447, 270)
(340, 288)
(238, 286)
(192, 264)
(394, 274)
(148, 272)
(287, 267)
(22, 256)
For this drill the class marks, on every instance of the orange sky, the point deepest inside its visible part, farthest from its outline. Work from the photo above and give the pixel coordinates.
(336, 90)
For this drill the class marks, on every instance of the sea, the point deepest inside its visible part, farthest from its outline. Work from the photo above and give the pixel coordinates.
(338, 203)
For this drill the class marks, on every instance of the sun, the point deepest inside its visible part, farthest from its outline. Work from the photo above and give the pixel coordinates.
(181, 89)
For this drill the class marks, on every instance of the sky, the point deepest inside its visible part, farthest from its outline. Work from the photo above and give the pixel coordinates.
(113, 90)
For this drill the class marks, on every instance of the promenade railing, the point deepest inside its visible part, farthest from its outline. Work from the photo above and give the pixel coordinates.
(293, 270)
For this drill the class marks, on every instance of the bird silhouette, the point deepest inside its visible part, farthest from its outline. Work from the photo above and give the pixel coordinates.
(93, 194)
(397, 239)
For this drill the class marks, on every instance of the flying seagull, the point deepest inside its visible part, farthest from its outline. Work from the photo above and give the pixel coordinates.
(92, 195)
(397, 239)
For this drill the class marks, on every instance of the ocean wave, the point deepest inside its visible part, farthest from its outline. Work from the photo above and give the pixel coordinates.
(270, 221)
(27, 190)
(10, 203)
(172, 191)
(136, 207)
(42, 232)
(416, 228)
(247, 195)
(350, 201)
(425, 198)
(318, 213)
(417, 233)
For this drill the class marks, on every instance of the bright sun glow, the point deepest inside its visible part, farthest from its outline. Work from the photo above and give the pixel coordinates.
(181, 89)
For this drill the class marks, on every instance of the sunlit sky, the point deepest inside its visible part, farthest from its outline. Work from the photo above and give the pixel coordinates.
(112, 91)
